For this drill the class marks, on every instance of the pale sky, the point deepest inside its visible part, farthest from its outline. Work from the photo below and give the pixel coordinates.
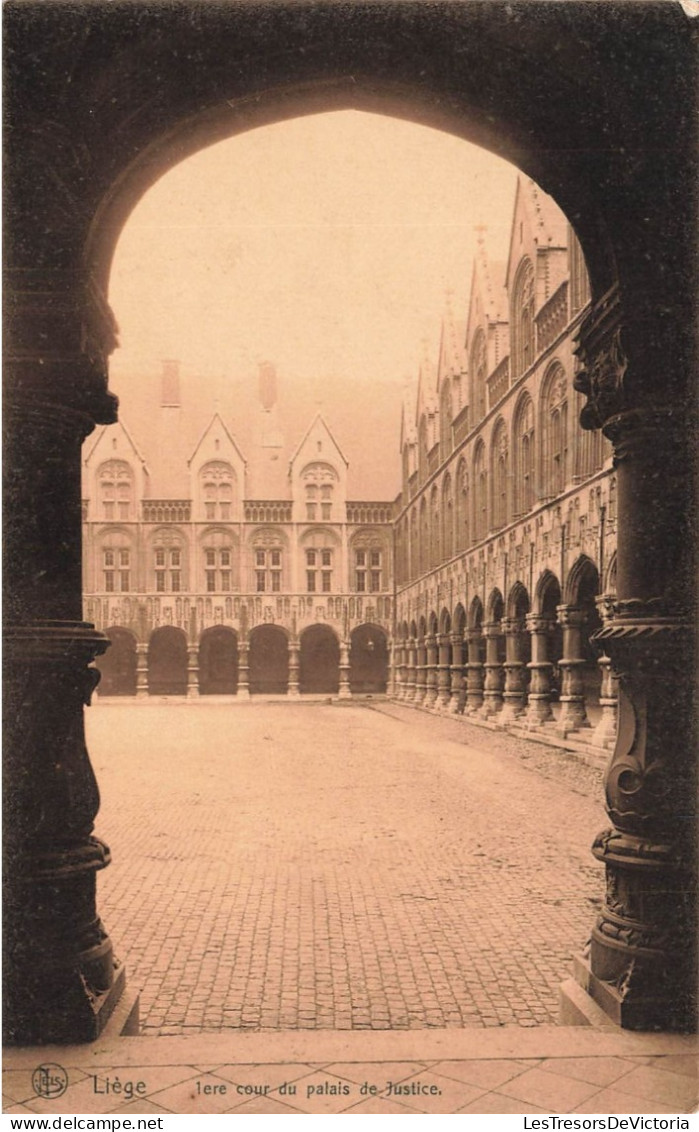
(325, 244)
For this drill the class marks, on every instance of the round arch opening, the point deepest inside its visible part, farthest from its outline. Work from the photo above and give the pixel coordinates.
(218, 662)
(368, 658)
(319, 661)
(118, 664)
(268, 661)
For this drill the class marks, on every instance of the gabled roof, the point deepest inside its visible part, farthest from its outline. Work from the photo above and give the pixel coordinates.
(548, 224)
(426, 385)
(132, 444)
(216, 417)
(318, 418)
(452, 355)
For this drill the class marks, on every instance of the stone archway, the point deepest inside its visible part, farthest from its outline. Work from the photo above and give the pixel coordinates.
(368, 659)
(218, 661)
(268, 661)
(319, 661)
(118, 665)
(154, 84)
(167, 662)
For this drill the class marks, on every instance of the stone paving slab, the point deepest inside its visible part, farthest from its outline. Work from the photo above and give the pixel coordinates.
(555, 1070)
(339, 867)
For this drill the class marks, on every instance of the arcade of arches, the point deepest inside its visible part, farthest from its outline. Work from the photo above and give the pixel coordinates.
(266, 663)
(595, 104)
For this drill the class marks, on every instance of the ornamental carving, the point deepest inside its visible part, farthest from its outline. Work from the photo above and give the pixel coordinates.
(601, 380)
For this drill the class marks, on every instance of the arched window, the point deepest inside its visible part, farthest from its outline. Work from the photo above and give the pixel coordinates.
(524, 486)
(267, 562)
(480, 488)
(447, 518)
(115, 488)
(463, 508)
(555, 432)
(219, 562)
(319, 481)
(116, 562)
(368, 556)
(445, 419)
(522, 318)
(422, 449)
(424, 549)
(414, 546)
(217, 479)
(168, 562)
(499, 462)
(321, 558)
(478, 369)
(579, 280)
(435, 528)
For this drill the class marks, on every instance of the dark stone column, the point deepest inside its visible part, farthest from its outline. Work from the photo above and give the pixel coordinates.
(642, 961)
(539, 704)
(443, 673)
(141, 671)
(243, 692)
(293, 686)
(61, 977)
(420, 672)
(410, 672)
(344, 692)
(604, 735)
(573, 715)
(457, 689)
(474, 672)
(430, 699)
(494, 673)
(515, 693)
(192, 671)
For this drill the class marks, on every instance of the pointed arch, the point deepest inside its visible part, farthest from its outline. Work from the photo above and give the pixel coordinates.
(554, 431)
(522, 318)
(524, 458)
(547, 594)
(499, 475)
(495, 608)
(475, 614)
(518, 604)
(582, 582)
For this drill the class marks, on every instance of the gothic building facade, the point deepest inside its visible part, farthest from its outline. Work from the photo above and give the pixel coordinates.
(505, 528)
(205, 586)
(475, 592)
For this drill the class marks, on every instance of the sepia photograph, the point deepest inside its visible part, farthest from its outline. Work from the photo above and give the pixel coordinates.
(350, 560)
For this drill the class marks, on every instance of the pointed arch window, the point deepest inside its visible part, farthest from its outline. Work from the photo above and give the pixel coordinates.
(217, 479)
(445, 420)
(115, 486)
(447, 518)
(435, 528)
(463, 508)
(479, 372)
(524, 485)
(480, 487)
(424, 546)
(555, 432)
(522, 318)
(499, 458)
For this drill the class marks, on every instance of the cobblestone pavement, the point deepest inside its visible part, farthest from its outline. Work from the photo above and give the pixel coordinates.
(322, 866)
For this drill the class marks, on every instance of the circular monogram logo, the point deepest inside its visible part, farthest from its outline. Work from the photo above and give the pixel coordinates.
(50, 1080)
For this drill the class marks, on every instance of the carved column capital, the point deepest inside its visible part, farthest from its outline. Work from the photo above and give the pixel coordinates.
(603, 362)
(570, 616)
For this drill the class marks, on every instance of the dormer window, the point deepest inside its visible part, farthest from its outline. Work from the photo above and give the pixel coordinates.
(217, 479)
(319, 482)
(115, 491)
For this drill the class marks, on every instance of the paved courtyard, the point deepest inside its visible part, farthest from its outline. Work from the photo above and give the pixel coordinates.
(322, 866)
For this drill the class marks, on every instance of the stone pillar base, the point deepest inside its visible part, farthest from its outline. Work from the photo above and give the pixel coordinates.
(63, 1010)
(637, 1003)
